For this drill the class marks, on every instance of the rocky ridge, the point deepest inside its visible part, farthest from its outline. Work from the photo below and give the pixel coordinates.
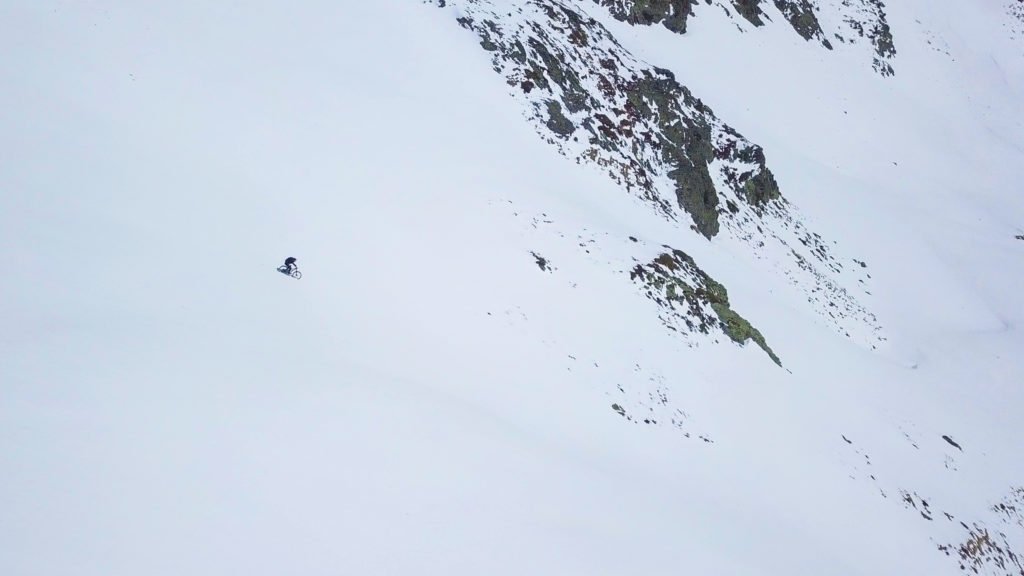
(858, 20)
(599, 105)
(691, 300)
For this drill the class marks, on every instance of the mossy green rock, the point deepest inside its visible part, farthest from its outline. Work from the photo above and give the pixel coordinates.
(691, 300)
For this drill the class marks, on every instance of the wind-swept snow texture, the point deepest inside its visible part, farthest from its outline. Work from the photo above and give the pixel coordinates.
(510, 354)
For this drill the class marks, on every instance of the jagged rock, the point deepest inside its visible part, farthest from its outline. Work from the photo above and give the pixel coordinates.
(671, 13)
(864, 19)
(867, 19)
(692, 301)
(599, 105)
(751, 10)
(800, 14)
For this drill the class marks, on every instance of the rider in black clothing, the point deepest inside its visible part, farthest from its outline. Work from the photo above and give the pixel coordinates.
(289, 264)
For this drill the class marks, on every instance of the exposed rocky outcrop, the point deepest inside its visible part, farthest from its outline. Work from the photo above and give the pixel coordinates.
(857, 19)
(599, 105)
(692, 301)
(673, 14)
(982, 542)
(800, 14)
(988, 548)
(751, 10)
(866, 19)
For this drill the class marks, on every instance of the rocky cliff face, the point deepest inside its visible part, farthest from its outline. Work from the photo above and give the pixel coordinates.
(599, 105)
(857, 20)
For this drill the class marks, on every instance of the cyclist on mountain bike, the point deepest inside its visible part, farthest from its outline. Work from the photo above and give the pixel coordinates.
(289, 264)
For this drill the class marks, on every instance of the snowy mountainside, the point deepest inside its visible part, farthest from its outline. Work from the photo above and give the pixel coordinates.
(552, 263)
(599, 105)
(556, 60)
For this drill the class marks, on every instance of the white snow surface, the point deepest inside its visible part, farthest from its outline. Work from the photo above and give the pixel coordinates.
(426, 400)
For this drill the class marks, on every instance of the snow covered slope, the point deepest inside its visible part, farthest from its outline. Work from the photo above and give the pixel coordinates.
(541, 308)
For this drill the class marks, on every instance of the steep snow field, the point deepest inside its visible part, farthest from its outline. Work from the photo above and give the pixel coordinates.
(427, 400)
